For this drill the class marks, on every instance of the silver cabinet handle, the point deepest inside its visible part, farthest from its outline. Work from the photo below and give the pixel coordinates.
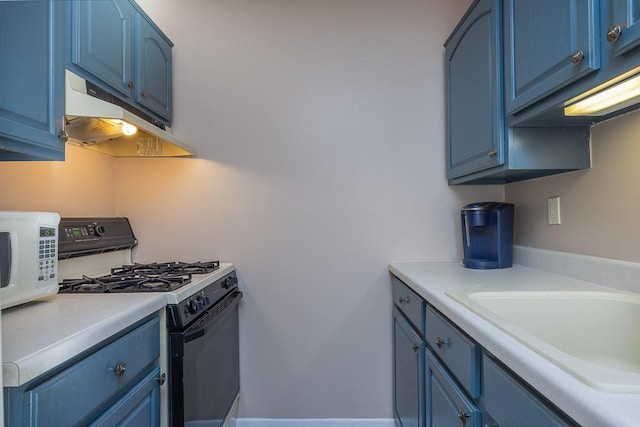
(415, 347)
(492, 154)
(577, 56)
(162, 378)
(131, 85)
(120, 369)
(613, 33)
(145, 93)
(463, 416)
(440, 342)
(403, 300)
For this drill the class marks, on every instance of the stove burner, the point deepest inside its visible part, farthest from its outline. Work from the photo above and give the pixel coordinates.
(155, 277)
(168, 267)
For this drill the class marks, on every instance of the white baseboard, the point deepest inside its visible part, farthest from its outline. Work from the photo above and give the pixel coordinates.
(321, 422)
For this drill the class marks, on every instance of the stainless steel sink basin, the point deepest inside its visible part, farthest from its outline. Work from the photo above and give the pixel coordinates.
(593, 335)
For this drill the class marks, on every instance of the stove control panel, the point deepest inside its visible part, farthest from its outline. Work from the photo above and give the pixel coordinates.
(86, 236)
(188, 310)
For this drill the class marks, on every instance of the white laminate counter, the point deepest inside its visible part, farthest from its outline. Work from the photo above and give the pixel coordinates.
(586, 405)
(41, 335)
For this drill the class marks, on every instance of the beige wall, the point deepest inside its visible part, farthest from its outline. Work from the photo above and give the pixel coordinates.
(599, 206)
(81, 185)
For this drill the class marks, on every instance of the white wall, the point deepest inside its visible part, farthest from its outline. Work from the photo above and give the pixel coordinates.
(320, 131)
(319, 127)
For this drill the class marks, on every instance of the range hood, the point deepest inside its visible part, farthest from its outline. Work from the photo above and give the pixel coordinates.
(99, 122)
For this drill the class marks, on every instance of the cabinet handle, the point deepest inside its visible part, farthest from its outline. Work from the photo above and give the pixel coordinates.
(463, 416)
(63, 136)
(162, 379)
(404, 300)
(614, 32)
(145, 93)
(440, 342)
(577, 56)
(415, 347)
(120, 369)
(131, 85)
(492, 154)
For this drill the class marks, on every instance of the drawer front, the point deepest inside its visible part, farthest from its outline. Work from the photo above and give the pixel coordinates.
(84, 388)
(458, 352)
(510, 403)
(409, 303)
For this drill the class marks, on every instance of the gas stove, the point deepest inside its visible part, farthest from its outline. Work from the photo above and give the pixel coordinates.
(95, 257)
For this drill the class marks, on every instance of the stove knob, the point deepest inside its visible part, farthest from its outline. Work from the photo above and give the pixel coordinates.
(99, 229)
(226, 283)
(192, 307)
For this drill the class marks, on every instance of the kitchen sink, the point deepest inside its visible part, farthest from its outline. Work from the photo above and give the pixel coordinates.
(593, 335)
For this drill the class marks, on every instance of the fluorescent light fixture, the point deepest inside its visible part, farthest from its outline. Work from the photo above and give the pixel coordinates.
(620, 92)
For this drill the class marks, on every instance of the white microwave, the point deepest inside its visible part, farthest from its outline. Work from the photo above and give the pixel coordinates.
(28, 256)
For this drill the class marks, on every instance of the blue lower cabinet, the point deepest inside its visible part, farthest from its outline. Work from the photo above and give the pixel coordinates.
(139, 407)
(408, 373)
(509, 402)
(115, 384)
(447, 405)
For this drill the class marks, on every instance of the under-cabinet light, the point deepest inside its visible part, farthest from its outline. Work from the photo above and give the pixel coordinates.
(620, 92)
(128, 129)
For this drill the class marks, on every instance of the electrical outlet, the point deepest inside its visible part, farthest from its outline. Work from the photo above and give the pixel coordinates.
(553, 210)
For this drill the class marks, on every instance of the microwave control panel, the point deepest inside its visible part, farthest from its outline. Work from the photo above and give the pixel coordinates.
(47, 254)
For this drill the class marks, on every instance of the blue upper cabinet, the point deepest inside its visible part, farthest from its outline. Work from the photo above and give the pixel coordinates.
(102, 41)
(475, 130)
(624, 31)
(31, 80)
(114, 44)
(548, 45)
(153, 68)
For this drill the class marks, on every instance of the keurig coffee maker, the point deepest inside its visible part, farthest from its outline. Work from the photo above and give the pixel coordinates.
(487, 235)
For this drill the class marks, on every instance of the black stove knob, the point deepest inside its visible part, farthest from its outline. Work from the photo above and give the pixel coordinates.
(226, 282)
(99, 229)
(192, 307)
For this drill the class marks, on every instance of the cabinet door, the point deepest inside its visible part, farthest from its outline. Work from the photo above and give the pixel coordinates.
(31, 80)
(447, 405)
(626, 14)
(408, 373)
(153, 68)
(549, 44)
(511, 403)
(102, 41)
(139, 407)
(475, 123)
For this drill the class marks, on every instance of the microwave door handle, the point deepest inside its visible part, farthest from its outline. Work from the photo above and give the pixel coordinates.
(5, 258)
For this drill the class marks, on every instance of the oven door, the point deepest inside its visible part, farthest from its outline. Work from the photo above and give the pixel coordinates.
(204, 367)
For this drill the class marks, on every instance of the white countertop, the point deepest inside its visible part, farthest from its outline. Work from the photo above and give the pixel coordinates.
(41, 335)
(586, 405)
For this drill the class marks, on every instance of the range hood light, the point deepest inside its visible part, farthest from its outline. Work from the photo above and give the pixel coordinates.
(614, 95)
(129, 129)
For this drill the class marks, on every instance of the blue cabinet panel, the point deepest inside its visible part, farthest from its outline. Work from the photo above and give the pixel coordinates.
(626, 15)
(475, 131)
(31, 80)
(510, 403)
(102, 34)
(548, 45)
(408, 373)
(139, 407)
(153, 68)
(447, 405)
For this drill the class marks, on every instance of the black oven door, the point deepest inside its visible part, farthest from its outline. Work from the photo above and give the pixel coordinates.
(204, 366)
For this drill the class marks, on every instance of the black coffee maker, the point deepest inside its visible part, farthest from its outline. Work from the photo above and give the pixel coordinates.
(487, 235)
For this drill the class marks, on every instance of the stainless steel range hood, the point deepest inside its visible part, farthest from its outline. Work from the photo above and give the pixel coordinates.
(97, 124)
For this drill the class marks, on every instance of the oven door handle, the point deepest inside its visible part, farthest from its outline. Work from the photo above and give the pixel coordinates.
(210, 317)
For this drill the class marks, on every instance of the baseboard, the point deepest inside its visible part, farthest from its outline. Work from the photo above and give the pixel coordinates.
(315, 422)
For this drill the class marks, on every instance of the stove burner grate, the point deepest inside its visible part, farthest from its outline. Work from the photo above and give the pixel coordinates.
(154, 277)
